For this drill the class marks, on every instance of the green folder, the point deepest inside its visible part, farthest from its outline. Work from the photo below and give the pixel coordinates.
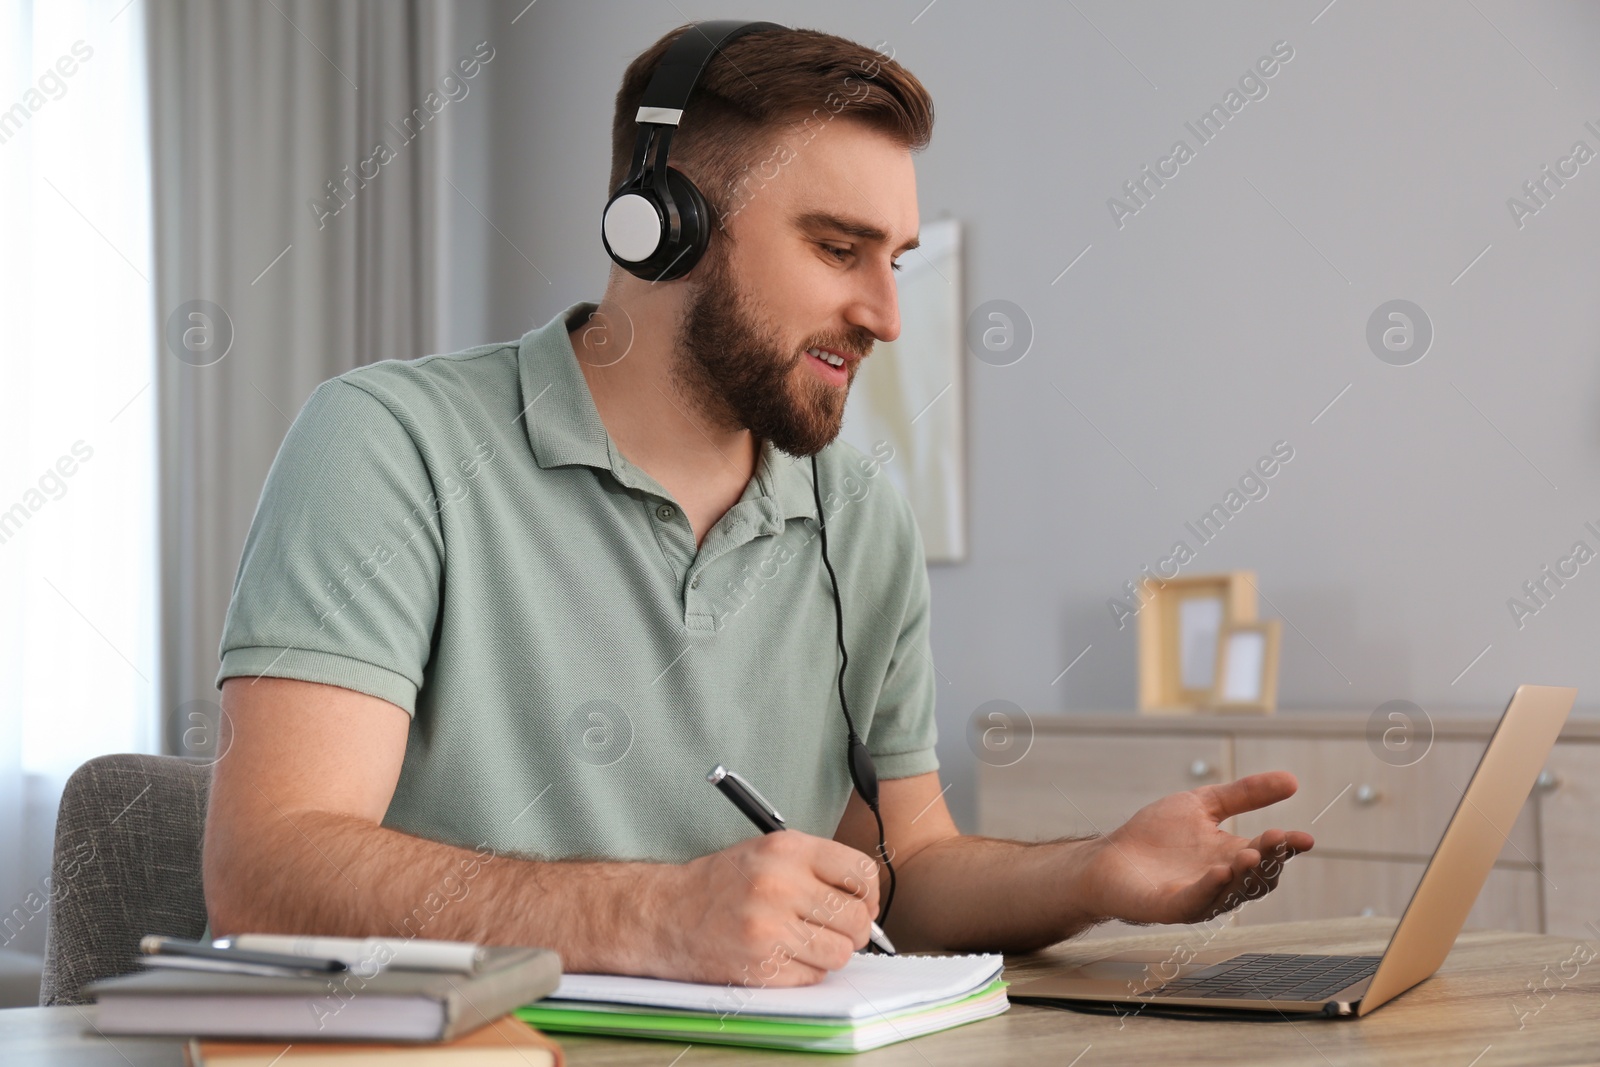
(764, 1031)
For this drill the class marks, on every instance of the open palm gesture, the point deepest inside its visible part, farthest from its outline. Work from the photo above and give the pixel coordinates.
(1173, 863)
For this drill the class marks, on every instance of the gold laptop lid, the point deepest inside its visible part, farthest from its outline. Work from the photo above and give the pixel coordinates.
(1472, 840)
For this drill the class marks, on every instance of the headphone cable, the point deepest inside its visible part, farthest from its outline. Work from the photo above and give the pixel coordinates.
(844, 661)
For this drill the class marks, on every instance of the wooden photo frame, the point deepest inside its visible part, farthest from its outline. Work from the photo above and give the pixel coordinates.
(1180, 622)
(1247, 667)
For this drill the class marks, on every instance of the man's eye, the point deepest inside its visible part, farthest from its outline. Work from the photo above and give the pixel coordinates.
(840, 254)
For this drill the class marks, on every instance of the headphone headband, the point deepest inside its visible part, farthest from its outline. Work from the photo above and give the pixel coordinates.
(679, 71)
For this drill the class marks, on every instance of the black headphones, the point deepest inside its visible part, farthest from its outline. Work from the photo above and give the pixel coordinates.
(656, 225)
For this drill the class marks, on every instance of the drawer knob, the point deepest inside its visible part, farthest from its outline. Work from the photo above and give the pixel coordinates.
(1546, 781)
(1200, 769)
(1366, 794)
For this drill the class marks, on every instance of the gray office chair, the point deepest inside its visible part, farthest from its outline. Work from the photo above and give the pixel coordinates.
(127, 863)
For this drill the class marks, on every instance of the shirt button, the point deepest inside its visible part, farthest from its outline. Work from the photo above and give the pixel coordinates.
(694, 583)
(665, 512)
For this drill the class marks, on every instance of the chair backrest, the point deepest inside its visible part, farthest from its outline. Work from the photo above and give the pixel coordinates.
(127, 863)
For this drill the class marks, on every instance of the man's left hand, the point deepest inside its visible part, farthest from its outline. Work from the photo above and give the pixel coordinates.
(1173, 863)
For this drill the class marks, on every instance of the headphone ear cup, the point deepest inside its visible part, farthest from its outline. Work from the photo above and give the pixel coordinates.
(677, 258)
(631, 227)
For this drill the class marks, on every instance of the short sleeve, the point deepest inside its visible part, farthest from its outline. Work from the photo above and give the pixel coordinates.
(903, 731)
(340, 576)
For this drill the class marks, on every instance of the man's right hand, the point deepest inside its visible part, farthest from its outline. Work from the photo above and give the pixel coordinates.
(781, 909)
(295, 844)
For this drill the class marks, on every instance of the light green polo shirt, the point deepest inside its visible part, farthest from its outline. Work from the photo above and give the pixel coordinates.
(459, 535)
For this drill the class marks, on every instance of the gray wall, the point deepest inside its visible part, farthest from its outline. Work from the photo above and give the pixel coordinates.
(1222, 317)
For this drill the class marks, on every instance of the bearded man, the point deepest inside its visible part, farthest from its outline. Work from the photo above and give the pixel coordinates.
(500, 610)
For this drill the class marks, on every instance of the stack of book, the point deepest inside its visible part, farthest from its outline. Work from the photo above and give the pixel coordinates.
(448, 1004)
(871, 1001)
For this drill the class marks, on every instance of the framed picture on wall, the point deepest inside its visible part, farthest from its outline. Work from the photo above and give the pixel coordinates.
(1181, 624)
(1247, 667)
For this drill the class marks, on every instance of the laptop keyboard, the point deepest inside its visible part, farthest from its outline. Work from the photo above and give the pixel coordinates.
(1273, 976)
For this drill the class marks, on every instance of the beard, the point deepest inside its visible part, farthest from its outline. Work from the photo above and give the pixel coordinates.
(734, 366)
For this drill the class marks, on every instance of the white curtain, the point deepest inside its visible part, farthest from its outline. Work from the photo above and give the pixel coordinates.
(289, 249)
(78, 660)
(170, 292)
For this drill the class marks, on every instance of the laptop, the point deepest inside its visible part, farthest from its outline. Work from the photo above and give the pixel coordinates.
(1284, 983)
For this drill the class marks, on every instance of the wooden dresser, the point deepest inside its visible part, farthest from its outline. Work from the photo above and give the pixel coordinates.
(1376, 819)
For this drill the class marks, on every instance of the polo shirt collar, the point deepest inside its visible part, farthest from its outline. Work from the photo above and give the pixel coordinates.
(558, 412)
(564, 426)
(787, 481)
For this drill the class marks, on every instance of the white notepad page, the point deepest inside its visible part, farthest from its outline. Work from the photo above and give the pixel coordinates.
(864, 988)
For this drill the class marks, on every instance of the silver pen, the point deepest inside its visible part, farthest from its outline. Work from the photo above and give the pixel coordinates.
(767, 820)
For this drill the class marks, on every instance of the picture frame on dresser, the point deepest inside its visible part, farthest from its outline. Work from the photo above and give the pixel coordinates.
(1181, 621)
(1247, 667)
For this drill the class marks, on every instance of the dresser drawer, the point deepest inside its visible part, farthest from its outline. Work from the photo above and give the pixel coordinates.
(1331, 887)
(1351, 801)
(1087, 783)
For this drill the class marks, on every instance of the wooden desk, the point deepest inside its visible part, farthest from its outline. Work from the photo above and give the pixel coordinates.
(1462, 1016)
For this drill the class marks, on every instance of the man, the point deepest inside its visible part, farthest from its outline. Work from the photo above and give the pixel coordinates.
(501, 610)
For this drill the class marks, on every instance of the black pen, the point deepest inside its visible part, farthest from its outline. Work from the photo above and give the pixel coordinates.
(767, 820)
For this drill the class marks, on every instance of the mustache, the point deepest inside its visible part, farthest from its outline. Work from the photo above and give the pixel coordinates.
(859, 345)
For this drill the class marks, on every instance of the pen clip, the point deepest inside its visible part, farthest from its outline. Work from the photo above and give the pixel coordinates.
(754, 792)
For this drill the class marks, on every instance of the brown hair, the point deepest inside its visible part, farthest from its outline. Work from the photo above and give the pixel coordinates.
(761, 81)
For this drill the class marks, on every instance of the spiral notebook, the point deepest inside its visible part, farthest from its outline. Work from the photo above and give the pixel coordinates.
(870, 1002)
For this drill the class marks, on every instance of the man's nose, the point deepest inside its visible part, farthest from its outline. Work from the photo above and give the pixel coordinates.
(877, 304)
